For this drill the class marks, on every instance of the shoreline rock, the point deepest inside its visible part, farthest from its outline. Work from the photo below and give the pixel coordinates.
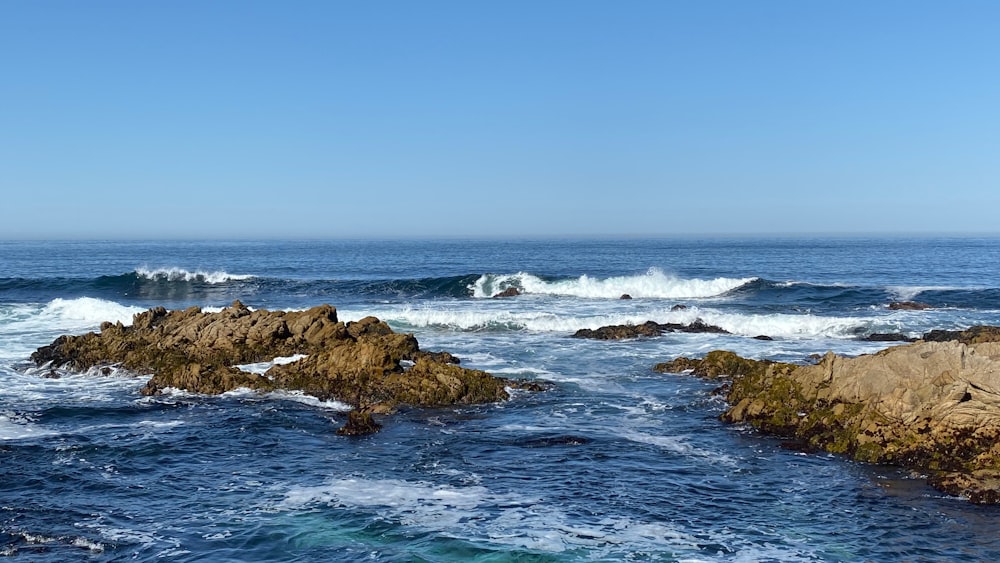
(646, 329)
(364, 364)
(932, 406)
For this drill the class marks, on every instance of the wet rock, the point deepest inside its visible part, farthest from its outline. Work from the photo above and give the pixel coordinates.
(981, 333)
(364, 363)
(679, 307)
(928, 406)
(762, 337)
(359, 423)
(625, 296)
(646, 329)
(888, 337)
(509, 292)
(908, 306)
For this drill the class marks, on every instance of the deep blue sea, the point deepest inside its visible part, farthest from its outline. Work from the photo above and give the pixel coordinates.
(614, 463)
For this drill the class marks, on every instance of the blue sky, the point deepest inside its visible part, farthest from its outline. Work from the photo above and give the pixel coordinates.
(393, 119)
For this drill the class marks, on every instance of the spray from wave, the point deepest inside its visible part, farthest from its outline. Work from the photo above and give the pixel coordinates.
(653, 284)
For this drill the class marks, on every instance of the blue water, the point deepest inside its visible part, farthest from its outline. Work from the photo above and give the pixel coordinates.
(615, 462)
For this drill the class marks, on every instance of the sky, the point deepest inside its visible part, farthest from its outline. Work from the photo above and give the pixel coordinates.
(346, 119)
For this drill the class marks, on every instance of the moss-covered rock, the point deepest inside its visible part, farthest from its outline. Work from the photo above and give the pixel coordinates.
(929, 406)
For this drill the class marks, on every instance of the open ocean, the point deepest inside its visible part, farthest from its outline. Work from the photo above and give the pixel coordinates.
(615, 462)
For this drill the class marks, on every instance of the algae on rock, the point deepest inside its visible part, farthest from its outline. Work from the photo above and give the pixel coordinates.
(363, 363)
(928, 406)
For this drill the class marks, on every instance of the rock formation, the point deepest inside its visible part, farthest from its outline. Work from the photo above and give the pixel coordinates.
(364, 363)
(509, 292)
(648, 328)
(908, 306)
(932, 406)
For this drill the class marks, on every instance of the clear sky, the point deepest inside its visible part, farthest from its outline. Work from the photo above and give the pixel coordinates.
(424, 118)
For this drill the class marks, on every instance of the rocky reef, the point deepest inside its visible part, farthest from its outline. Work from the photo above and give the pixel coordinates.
(648, 328)
(364, 364)
(931, 406)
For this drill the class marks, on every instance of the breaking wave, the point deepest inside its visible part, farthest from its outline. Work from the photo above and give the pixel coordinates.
(653, 284)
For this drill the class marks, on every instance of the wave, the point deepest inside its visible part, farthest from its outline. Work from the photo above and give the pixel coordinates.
(653, 284)
(65, 314)
(180, 274)
(778, 325)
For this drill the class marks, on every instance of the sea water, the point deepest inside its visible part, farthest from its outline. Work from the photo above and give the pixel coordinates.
(613, 462)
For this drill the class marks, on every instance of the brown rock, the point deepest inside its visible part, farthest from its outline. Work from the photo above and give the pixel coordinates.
(908, 306)
(509, 292)
(360, 363)
(359, 423)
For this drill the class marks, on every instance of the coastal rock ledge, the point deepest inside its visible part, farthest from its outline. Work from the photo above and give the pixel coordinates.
(363, 364)
(930, 406)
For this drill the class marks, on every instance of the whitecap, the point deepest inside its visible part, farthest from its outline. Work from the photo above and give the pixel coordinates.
(653, 284)
(180, 274)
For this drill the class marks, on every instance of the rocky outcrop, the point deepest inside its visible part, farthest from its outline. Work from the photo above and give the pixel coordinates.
(908, 306)
(364, 364)
(509, 292)
(928, 406)
(648, 328)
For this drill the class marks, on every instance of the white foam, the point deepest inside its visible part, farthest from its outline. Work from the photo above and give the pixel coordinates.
(84, 312)
(260, 368)
(300, 397)
(476, 513)
(14, 427)
(907, 293)
(180, 274)
(473, 318)
(653, 284)
(676, 444)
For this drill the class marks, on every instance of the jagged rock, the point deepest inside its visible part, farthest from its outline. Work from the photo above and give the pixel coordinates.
(360, 363)
(648, 328)
(625, 296)
(908, 306)
(928, 406)
(509, 292)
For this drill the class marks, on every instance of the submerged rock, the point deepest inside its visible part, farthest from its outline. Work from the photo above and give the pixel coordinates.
(648, 328)
(908, 306)
(929, 406)
(360, 363)
(509, 292)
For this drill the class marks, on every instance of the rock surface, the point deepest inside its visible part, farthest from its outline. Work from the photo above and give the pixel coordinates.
(648, 328)
(932, 406)
(364, 363)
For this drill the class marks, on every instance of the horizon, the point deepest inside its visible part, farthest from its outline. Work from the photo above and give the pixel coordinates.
(446, 120)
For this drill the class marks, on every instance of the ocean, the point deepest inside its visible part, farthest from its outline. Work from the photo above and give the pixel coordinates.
(614, 462)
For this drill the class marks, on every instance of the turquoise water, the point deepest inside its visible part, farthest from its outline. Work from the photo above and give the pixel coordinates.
(614, 462)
